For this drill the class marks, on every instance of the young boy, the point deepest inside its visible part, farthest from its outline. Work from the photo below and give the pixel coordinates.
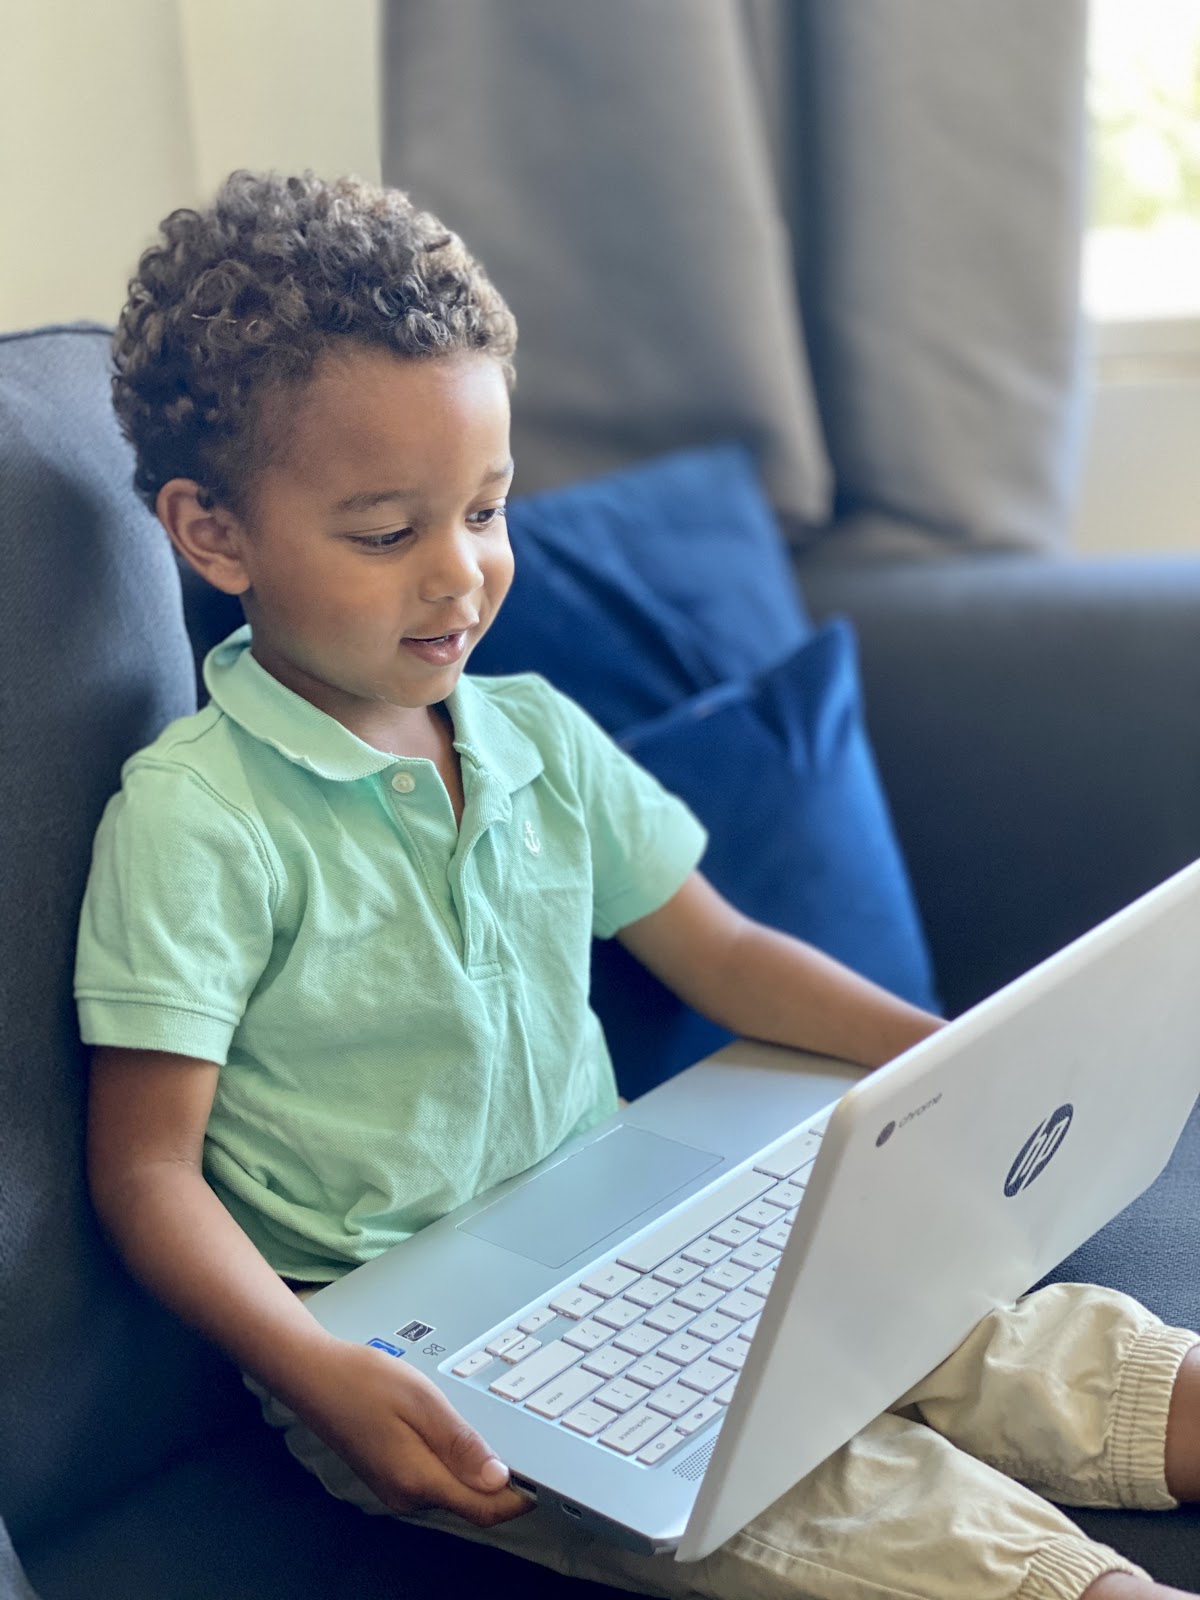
(334, 950)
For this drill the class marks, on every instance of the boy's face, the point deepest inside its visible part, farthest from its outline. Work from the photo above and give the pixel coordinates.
(375, 545)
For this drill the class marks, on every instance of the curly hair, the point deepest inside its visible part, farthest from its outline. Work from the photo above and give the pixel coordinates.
(238, 302)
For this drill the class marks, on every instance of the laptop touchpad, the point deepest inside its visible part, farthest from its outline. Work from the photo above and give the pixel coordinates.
(579, 1201)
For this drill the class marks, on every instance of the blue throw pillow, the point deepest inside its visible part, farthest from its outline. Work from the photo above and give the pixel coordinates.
(635, 590)
(781, 773)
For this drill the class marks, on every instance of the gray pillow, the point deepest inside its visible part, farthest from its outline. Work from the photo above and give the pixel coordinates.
(609, 165)
(944, 183)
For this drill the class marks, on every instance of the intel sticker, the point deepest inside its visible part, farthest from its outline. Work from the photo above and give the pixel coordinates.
(386, 1346)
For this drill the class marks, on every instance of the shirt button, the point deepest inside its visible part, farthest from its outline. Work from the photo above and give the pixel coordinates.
(404, 783)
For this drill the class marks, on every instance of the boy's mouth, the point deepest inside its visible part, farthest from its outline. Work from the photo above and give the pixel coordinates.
(440, 650)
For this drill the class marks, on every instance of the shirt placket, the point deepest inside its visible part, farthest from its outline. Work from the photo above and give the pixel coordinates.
(444, 852)
(420, 808)
(487, 804)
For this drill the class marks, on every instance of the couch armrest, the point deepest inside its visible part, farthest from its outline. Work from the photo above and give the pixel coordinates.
(1036, 723)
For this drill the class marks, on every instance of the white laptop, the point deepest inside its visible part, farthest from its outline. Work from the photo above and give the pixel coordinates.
(678, 1315)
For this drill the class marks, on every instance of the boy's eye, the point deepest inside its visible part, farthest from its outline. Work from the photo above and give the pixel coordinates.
(485, 518)
(381, 541)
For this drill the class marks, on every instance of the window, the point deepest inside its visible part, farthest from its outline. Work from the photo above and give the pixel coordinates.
(1142, 249)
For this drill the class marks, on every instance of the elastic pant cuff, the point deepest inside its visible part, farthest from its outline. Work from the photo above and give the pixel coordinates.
(1065, 1568)
(1139, 1429)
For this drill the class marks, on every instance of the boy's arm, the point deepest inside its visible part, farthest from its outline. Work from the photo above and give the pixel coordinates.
(759, 982)
(146, 1119)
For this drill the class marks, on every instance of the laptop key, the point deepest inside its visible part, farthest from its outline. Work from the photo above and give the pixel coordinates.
(698, 1296)
(739, 1305)
(761, 1214)
(518, 1352)
(733, 1232)
(629, 1433)
(731, 1354)
(641, 1340)
(707, 1251)
(537, 1319)
(669, 1318)
(785, 1195)
(682, 1349)
(521, 1381)
(652, 1371)
(561, 1393)
(776, 1235)
(609, 1280)
(587, 1419)
(504, 1341)
(660, 1447)
(713, 1327)
(704, 1376)
(586, 1335)
(650, 1292)
(576, 1303)
(607, 1361)
(760, 1283)
(673, 1400)
(784, 1160)
(696, 1218)
(677, 1271)
(618, 1313)
(755, 1255)
(698, 1416)
(749, 1329)
(724, 1395)
(727, 1275)
(620, 1394)
(475, 1362)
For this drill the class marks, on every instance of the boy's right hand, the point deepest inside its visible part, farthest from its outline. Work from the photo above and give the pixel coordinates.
(403, 1438)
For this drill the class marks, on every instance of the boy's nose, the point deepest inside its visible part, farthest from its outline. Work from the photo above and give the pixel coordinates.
(452, 567)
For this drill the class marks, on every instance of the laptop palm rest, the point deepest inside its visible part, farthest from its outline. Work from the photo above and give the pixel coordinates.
(577, 1202)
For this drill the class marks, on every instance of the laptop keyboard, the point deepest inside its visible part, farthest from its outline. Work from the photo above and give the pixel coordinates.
(644, 1350)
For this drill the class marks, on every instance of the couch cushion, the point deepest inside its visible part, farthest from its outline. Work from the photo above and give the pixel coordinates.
(634, 590)
(780, 771)
(244, 1519)
(97, 1387)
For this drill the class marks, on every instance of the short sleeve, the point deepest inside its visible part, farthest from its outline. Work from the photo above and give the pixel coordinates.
(645, 841)
(176, 927)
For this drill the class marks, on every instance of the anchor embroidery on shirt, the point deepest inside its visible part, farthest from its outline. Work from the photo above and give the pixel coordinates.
(532, 843)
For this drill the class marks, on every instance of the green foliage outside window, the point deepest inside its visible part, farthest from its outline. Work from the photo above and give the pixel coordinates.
(1144, 93)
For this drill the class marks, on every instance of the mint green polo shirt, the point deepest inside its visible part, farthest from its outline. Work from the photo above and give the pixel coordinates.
(399, 1005)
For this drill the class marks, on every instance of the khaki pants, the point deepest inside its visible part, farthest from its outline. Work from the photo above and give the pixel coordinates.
(1064, 1395)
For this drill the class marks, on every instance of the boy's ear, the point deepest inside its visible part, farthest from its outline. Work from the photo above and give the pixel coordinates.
(209, 538)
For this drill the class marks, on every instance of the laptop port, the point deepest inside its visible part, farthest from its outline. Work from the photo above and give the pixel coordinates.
(571, 1511)
(523, 1484)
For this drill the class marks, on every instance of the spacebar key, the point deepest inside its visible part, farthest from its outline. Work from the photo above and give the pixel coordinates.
(647, 1253)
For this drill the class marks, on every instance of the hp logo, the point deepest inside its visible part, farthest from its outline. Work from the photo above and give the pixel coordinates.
(1041, 1145)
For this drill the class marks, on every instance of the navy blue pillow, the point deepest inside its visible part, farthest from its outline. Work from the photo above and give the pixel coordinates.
(634, 590)
(781, 773)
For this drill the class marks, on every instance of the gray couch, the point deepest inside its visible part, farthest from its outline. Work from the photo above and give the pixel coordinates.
(1034, 722)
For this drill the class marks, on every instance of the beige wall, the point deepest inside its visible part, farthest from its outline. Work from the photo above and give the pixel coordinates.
(1140, 488)
(112, 112)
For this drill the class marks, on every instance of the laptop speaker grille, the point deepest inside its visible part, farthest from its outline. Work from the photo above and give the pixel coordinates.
(693, 1466)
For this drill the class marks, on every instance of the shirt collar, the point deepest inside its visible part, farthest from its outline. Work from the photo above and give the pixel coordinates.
(484, 734)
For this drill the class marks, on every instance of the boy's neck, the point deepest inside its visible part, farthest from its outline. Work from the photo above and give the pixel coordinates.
(397, 730)
(422, 731)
